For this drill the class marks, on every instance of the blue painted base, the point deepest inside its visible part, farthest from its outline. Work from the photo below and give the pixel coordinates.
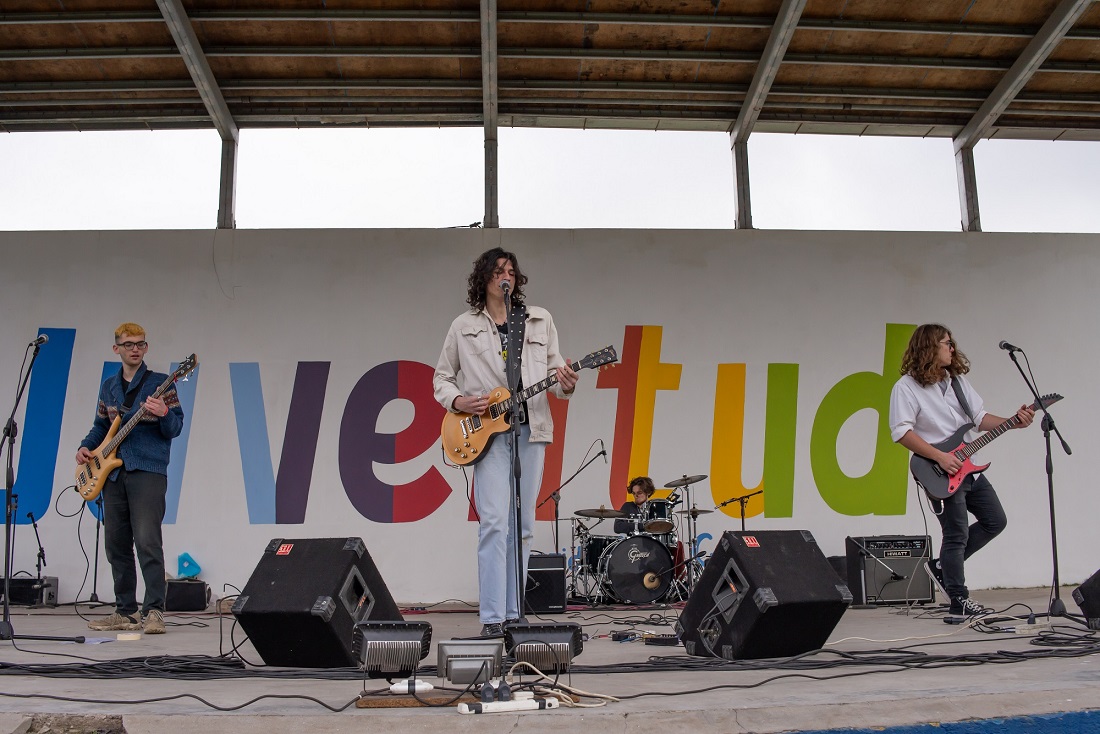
(1078, 722)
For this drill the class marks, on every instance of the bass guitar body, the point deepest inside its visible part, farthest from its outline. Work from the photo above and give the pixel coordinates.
(91, 477)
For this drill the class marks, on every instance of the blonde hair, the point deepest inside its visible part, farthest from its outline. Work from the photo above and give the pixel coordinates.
(129, 327)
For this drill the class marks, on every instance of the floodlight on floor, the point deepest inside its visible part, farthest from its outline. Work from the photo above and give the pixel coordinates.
(391, 649)
(466, 662)
(549, 647)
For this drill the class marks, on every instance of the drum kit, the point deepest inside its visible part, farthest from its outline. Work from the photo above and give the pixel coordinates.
(646, 565)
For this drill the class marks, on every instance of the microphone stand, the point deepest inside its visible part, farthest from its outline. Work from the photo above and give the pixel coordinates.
(11, 500)
(743, 499)
(1057, 606)
(512, 371)
(41, 551)
(556, 494)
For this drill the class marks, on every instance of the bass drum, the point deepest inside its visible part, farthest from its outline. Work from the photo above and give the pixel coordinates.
(636, 570)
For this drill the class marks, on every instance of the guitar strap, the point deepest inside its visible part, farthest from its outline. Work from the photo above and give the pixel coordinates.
(962, 399)
(135, 391)
(517, 328)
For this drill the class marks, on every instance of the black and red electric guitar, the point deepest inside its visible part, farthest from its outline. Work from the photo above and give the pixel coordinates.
(940, 485)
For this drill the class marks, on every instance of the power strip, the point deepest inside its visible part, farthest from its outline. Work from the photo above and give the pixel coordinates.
(498, 707)
(1031, 629)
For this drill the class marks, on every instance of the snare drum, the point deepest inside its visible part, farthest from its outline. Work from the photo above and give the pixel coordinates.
(657, 517)
(636, 570)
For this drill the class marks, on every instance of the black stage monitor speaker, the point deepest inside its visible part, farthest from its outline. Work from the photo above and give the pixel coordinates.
(1087, 596)
(301, 604)
(889, 569)
(545, 592)
(763, 594)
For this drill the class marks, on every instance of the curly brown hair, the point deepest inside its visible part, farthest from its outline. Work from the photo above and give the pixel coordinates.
(484, 268)
(919, 361)
(645, 482)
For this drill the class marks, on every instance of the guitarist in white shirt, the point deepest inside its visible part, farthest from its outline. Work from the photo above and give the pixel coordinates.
(925, 409)
(473, 357)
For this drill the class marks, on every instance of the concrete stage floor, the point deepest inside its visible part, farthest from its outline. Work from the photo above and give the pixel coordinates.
(935, 672)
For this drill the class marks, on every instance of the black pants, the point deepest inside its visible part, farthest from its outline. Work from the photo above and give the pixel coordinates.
(133, 510)
(961, 539)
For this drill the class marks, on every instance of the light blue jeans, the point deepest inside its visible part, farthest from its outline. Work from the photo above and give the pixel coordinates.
(496, 558)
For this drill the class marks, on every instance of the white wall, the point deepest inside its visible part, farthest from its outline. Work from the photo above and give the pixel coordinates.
(359, 298)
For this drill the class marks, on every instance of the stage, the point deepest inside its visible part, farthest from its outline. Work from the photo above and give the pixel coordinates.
(882, 667)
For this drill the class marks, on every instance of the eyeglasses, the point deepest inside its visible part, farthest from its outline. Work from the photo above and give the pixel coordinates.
(129, 346)
(949, 342)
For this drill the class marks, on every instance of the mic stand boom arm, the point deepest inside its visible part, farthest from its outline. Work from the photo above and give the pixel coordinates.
(556, 494)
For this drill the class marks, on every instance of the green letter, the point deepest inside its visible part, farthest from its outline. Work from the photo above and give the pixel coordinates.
(882, 490)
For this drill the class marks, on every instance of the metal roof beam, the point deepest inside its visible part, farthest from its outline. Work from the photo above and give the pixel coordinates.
(774, 49)
(522, 16)
(786, 21)
(670, 55)
(188, 44)
(489, 104)
(1034, 54)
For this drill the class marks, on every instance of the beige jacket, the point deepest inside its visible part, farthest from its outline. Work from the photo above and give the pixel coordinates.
(472, 348)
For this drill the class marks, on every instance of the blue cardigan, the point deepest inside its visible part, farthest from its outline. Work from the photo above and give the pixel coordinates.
(149, 445)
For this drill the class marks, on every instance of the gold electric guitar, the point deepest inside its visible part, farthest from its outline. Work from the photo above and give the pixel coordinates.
(466, 437)
(91, 477)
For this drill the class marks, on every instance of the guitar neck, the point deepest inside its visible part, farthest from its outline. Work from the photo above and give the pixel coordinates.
(529, 392)
(986, 438)
(135, 418)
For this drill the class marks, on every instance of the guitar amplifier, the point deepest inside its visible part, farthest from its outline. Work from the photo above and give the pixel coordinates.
(31, 592)
(889, 569)
(545, 592)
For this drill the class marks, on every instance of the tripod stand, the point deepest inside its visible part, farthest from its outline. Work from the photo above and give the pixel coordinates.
(11, 501)
(93, 599)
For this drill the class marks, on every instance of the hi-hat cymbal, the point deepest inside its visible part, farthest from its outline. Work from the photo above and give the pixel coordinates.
(686, 480)
(601, 512)
(693, 512)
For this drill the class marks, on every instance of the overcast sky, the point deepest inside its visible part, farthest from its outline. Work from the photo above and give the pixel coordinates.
(548, 178)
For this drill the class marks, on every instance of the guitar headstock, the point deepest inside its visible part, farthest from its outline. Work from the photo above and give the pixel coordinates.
(1045, 401)
(599, 358)
(186, 367)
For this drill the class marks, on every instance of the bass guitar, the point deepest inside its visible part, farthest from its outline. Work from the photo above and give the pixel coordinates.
(940, 485)
(466, 437)
(91, 477)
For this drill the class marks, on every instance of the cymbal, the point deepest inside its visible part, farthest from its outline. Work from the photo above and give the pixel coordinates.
(685, 481)
(693, 512)
(601, 512)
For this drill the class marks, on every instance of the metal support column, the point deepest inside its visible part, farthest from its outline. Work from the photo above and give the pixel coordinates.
(489, 106)
(968, 189)
(227, 199)
(741, 184)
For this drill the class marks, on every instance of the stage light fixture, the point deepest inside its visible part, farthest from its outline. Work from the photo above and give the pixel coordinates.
(466, 662)
(549, 647)
(391, 649)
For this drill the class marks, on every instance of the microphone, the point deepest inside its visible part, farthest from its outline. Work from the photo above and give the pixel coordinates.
(42, 339)
(1008, 347)
(505, 286)
(603, 451)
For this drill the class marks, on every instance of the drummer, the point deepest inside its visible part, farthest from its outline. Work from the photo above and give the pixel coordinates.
(642, 488)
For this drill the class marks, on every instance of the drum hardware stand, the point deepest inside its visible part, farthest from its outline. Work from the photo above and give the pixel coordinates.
(744, 500)
(11, 501)
(694, 568)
